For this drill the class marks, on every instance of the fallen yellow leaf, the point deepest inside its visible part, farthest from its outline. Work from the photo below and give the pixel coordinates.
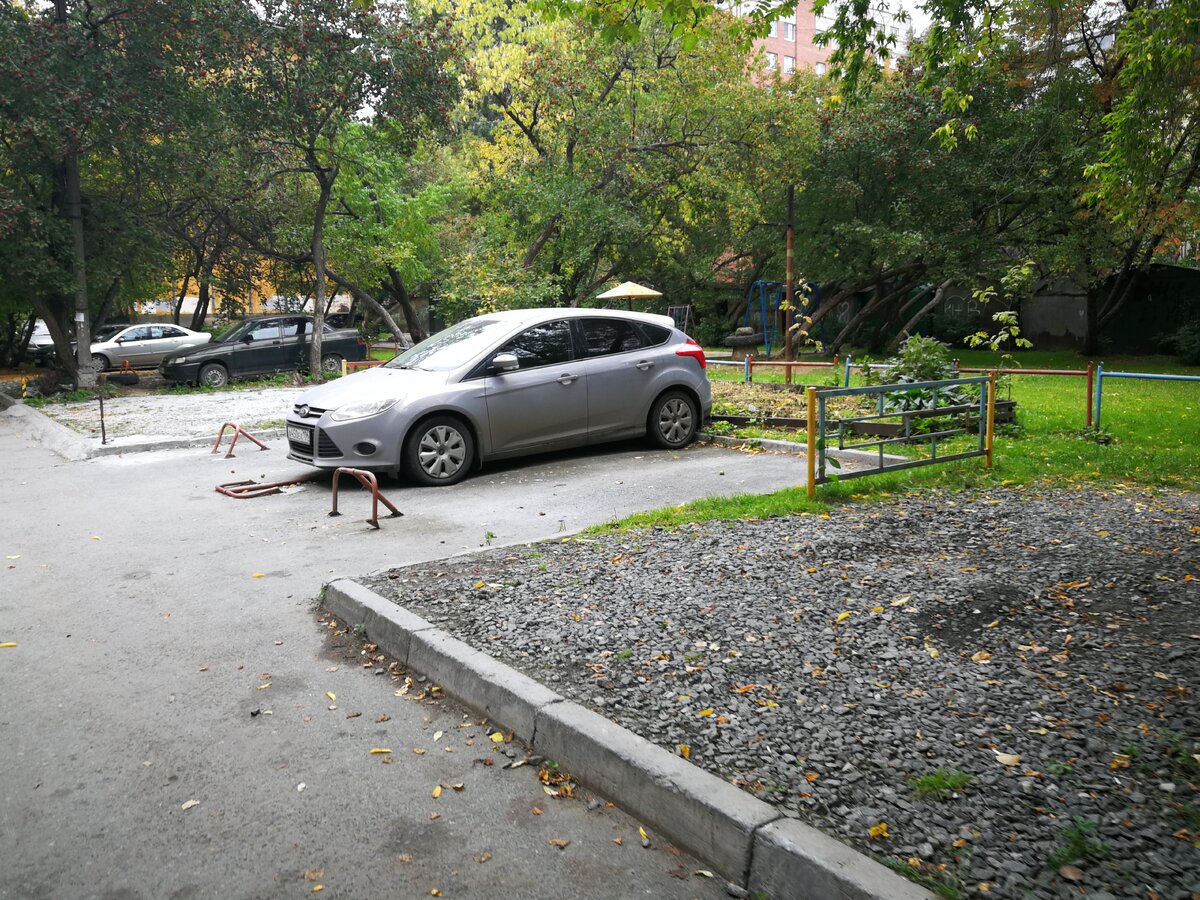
(437, 735)
(707, 712)
(378, 750)
(842, 617)
(497, 738)
(331, 695)
(437, 792)
(263, 686)
(685, 751)
(1008, 759)
(189, 804)
(879, 831)
(7, 644)
(981, 656)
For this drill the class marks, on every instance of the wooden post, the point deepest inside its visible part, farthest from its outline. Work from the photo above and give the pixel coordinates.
(811, 412)
(991, 415)
(1090, 387)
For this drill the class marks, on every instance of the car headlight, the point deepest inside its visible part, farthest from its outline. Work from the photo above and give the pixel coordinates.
(171, 360)
(362, 410)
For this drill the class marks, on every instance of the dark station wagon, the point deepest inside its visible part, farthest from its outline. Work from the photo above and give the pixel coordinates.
(263, 346)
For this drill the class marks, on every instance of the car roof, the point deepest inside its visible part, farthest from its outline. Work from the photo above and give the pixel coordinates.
(572, 312)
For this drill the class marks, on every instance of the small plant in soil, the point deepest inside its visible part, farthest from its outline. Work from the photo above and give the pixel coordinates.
(940, 783)
(623, 654)
(1057, 767)
(1077, 843)
(1096, 435)
(942, 883)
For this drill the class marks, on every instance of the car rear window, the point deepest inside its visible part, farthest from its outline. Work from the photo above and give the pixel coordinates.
(655, 334)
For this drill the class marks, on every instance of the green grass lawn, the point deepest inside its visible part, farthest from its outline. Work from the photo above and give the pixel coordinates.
(1153, 426)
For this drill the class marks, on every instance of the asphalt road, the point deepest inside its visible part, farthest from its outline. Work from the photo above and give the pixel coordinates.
(148, 611)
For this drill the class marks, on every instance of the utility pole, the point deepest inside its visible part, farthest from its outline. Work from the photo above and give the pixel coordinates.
(790, 283)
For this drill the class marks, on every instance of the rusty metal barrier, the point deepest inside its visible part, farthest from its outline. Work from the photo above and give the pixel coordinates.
(237, 431)
(367, 480)
(248, 490)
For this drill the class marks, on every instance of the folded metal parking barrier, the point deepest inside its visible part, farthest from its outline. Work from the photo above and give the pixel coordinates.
(367, 480)
(237, 431)
(247, 490)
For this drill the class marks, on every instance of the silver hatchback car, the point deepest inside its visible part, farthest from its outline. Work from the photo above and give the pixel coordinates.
(508, 384)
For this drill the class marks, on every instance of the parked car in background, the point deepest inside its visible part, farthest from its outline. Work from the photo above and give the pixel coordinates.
(41, 344)
(144, 346)
(263, 346)
(508, 384)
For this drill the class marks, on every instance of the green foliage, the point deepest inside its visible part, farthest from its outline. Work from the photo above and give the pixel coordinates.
(1078, 842)
(940, 783)
(1186, 343)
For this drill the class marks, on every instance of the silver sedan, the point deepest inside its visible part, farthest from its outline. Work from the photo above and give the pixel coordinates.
(508, 384)
(145, 346)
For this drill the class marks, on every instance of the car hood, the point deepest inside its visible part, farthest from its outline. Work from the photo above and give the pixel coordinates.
(376, 383)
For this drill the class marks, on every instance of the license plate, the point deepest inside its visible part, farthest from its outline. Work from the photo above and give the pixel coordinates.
(299, 435)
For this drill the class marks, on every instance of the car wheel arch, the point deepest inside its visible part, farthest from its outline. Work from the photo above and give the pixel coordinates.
(476, 432)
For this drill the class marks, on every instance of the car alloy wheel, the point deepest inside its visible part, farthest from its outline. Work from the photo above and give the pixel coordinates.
(331, 364)
(673, 420)
(439, 451)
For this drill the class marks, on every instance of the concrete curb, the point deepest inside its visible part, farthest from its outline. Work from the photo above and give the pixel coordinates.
(725, 440)
(744, 839)
(72, 445)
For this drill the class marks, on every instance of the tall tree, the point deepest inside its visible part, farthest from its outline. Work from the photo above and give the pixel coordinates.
(314, 67)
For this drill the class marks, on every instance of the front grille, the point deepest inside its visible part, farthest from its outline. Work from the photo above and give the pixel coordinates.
(326, 448)
(313, 412)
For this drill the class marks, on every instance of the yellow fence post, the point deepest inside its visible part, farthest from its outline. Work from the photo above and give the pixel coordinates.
(812, 442)
(991, 415)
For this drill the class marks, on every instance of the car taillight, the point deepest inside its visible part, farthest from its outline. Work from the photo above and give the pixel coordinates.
(693, 350)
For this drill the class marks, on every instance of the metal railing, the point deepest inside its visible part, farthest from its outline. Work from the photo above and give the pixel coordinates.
(821, 428)
(1088, 373)
(1144, 376)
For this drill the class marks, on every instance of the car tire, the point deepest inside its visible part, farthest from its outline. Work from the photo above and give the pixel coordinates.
(100, 361)
(438, 452)
(331, 364)
(673, 420)
(213, 375)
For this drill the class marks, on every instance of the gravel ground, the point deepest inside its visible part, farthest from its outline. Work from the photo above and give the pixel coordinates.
(149, 416)
(1043, 645)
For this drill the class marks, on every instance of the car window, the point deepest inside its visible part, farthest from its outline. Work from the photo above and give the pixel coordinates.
(604, 336)
(266, 331)
(157, 332)
(169, 332)
(655, 335)
(292, 327)
(137, 334)
(541, 345)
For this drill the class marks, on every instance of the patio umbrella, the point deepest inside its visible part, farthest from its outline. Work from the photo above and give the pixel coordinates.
(629, 291)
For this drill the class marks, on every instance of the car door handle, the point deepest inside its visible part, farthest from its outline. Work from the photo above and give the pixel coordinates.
(644, 364)
(566, 379)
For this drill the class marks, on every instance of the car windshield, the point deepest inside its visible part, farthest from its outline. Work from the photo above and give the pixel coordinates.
(452, 348)
(235, 333)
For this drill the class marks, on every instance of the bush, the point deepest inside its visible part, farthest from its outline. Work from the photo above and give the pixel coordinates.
(1186, 343)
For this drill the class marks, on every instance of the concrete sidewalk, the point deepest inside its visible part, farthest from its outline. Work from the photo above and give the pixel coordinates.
(148, 611)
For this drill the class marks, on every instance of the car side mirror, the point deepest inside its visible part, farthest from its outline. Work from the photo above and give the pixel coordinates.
(120, 340)
(247, 338)
(505, 362)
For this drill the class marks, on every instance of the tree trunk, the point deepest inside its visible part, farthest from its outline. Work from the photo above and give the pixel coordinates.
(925, 310)
(82, 373)
(400, 292)
(359, 294)
(325, 179)
(178, 307)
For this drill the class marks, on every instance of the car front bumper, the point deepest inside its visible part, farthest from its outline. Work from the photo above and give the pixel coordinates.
(183, 373)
